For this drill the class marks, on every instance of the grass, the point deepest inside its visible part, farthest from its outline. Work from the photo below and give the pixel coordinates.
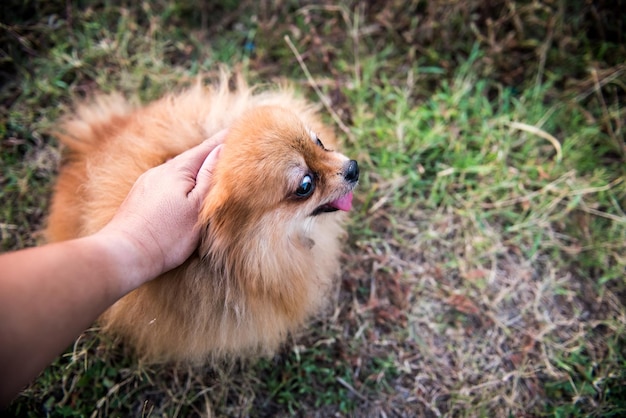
(484, 269)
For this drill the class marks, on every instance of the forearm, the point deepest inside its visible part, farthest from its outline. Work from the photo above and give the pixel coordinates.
(49, 295)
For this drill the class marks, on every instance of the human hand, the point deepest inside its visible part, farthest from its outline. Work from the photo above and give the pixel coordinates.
(157, 220)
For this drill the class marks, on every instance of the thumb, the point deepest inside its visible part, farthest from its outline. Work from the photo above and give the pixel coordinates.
(205, 174)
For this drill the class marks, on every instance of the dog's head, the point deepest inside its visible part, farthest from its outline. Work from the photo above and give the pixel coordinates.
(271, 219)
(274, 171)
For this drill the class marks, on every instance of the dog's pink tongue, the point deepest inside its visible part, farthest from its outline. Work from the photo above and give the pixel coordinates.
(343, 203)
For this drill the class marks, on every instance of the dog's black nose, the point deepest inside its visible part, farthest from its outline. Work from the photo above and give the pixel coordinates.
(352, 172)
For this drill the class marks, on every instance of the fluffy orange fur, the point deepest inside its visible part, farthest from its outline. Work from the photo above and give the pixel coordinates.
(267, 257)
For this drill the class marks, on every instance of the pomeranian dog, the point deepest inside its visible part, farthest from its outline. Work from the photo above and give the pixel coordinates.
(271, 223)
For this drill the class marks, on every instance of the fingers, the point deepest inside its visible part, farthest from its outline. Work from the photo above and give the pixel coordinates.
(193, 158)
(203, 179)
(217, 139)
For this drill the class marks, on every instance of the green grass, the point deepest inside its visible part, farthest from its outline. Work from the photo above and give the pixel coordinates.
(483, 273)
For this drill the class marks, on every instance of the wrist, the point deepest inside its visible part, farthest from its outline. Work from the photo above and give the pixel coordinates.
(128, 262)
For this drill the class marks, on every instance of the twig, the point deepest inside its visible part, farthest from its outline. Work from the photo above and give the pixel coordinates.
(606, 215)
(527, 197)
(319, 93)
(605, 113)
(541, 133)
(599, 83)
(351, 389)
(604, 188)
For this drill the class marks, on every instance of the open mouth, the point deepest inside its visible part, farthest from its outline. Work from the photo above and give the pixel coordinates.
(343, 203)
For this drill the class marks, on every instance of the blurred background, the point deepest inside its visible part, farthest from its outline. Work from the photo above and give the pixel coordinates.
(484, 269)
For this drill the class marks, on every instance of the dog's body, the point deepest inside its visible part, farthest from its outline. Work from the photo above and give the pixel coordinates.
(269, 251)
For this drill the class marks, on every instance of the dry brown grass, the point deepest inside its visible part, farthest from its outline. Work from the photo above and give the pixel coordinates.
(472, 332)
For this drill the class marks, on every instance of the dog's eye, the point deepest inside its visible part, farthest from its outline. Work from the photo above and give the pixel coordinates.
(319, 143)
(306, 186)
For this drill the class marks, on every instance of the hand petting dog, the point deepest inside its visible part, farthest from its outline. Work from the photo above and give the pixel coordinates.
(52, 293)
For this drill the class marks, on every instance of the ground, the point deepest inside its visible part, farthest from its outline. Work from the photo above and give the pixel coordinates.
(483, 270)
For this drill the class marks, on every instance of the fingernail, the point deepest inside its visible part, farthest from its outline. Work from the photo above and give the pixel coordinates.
(217, 150)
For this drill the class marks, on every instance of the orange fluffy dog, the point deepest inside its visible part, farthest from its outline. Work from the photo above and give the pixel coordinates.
(270, 223)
